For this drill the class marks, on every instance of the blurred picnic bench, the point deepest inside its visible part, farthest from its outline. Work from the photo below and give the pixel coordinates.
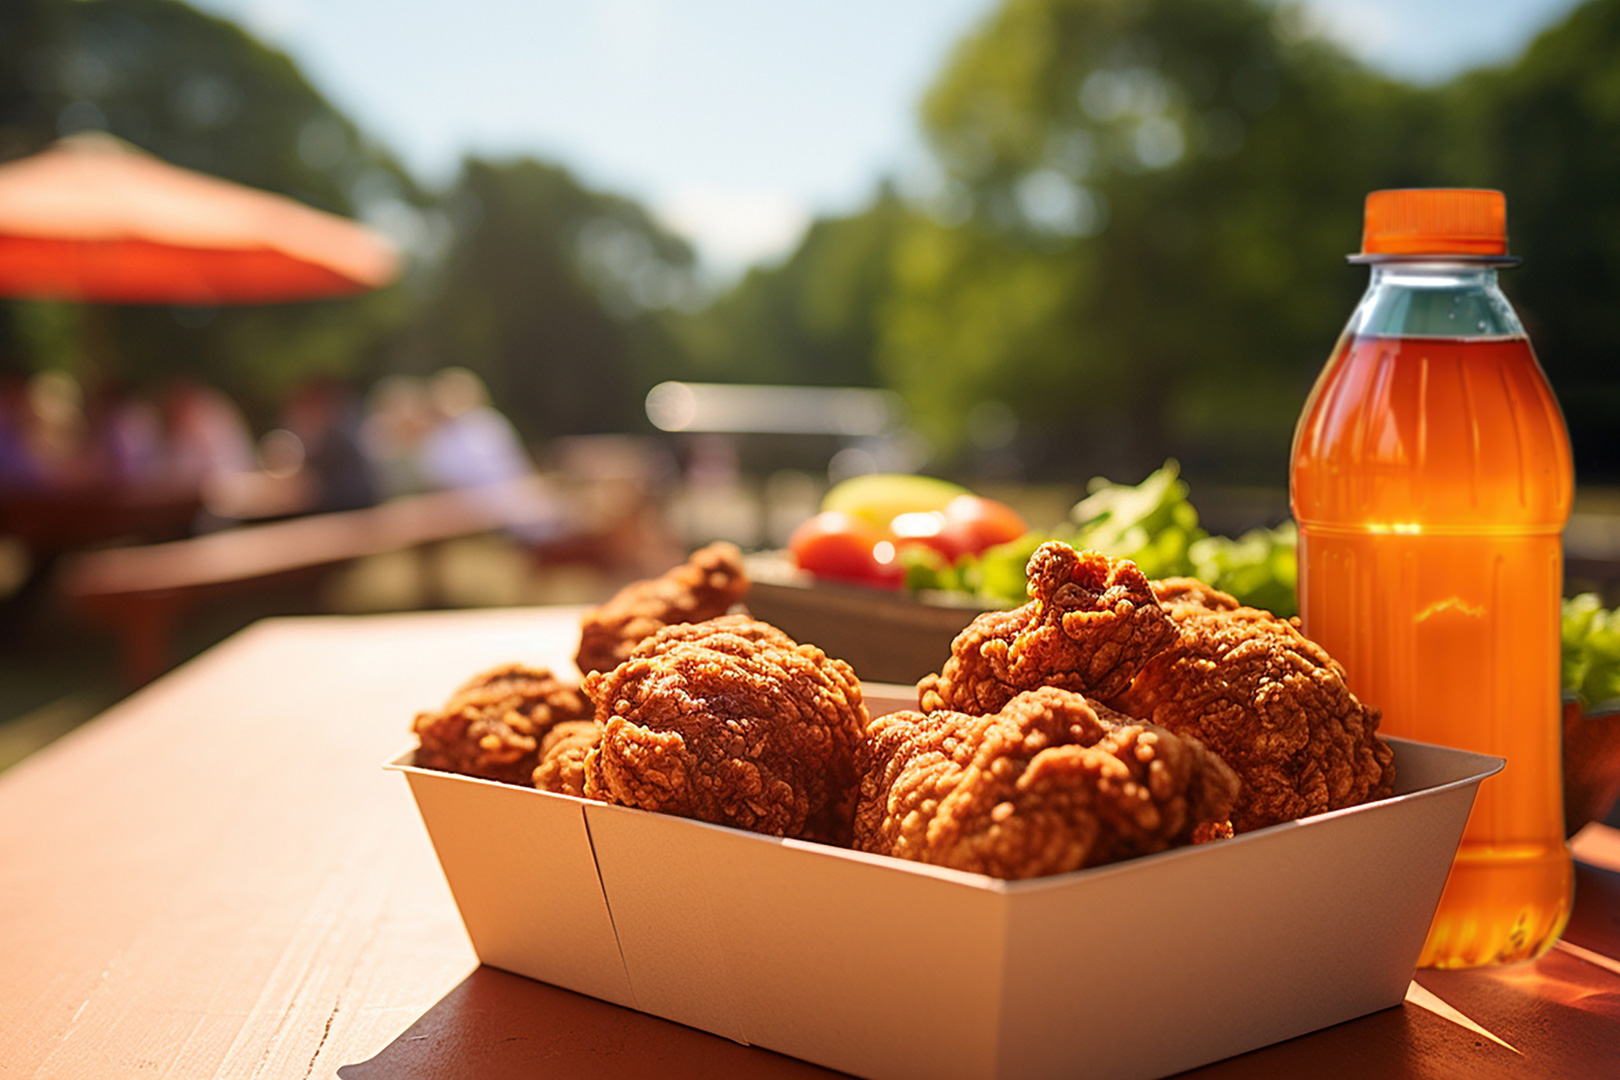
(49, 521)
(143, 591)
(598, 514)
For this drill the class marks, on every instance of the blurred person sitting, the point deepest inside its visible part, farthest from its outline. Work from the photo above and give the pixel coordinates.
(207, 435)
(17, 468)
(472, 444)
(474, 448)
(127, 431)
(55, 434)
(325, 418)
(136, 449)
(399, 415)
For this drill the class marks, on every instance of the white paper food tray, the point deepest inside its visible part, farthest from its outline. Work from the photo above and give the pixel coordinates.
(884, 968)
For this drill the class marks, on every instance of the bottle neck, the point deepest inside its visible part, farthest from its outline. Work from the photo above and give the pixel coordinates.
(1450, 299)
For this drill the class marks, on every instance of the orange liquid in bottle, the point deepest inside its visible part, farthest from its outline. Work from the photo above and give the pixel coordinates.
(1431, 482)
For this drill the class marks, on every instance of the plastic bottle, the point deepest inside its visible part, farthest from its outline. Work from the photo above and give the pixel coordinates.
(1431, 481)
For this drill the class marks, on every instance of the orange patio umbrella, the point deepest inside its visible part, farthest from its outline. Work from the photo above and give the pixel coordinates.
(92, 218)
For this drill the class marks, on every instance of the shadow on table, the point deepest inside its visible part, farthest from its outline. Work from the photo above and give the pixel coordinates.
(495, 1025)
(1560, 1015)
(1404, 1043)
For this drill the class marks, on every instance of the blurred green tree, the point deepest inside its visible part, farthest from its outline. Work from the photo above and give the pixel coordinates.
(201, 93)
(1140, 228)
(813, 319)
(1135, 239)
(549, 292)
(542, 285)
(1546, 130)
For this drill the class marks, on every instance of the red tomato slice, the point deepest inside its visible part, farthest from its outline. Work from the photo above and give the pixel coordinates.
(974, 523)
(842, 547)
(929, 528)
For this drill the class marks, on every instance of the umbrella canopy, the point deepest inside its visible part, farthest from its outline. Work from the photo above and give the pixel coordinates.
(92, 218)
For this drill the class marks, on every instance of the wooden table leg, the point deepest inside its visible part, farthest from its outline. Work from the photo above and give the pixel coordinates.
(145, 628)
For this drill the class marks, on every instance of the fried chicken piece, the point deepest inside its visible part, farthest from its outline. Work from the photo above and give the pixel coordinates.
(704, 586)
(1090, 625)
(562, 756)
(730, 721)
(492, 726)
(564, 750)
(1187, 590)
(1271, 703)
(1050, 783)
(743, 626)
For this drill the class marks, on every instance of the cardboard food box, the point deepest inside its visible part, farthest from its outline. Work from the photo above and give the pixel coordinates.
(884, 968)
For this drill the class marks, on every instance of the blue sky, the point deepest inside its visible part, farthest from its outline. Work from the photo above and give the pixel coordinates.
(737, 121)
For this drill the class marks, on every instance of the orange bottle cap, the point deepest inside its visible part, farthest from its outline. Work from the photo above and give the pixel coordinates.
(1435, 221)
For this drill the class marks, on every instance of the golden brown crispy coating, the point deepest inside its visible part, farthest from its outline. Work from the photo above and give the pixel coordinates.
(732, 722)
(1050, 783)
(1090, 625)
(1273, 704)
(743, 626)
(704, 586)
(1186, 590)
(492, 726)
(562, 756)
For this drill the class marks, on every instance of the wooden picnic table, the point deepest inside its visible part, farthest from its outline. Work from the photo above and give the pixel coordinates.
(144, 592)
(52, 520)
(217, 878)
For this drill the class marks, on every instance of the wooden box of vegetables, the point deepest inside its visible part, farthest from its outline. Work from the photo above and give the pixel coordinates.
(895, 566)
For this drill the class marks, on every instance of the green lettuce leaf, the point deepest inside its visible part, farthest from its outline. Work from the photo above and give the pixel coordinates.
(1152, 523)
(1591, 652)
(1260, 568)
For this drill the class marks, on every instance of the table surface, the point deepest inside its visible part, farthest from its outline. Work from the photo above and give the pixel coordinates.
(217, 879)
